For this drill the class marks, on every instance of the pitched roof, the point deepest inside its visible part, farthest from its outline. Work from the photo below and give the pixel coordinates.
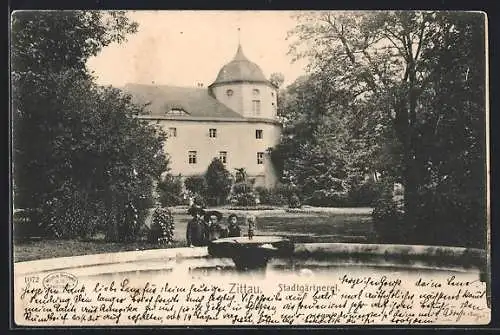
(196, 102)
(240, 69)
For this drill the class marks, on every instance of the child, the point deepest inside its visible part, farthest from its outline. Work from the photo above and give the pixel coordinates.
(251, 226)
(214, 228)
(196, 232)
(233, 228)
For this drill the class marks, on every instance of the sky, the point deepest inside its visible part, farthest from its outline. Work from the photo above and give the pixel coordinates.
(184, 48)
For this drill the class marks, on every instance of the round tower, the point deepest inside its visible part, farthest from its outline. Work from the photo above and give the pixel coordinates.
(242, 86)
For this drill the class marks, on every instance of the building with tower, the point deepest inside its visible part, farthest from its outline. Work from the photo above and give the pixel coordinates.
(234, 119)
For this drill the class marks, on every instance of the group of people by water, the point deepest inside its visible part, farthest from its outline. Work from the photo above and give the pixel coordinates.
(205, 226)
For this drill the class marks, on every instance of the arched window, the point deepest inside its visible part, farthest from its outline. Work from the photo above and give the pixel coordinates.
(229, 92)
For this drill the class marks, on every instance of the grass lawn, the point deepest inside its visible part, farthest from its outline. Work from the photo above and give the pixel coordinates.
(298, 227)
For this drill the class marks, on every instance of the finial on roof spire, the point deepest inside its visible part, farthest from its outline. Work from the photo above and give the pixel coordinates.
(239, 53)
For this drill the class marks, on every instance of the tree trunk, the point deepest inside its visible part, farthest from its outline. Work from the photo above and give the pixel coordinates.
(411, 171)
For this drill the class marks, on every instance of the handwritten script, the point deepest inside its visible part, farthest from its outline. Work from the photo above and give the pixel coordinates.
(345, 299)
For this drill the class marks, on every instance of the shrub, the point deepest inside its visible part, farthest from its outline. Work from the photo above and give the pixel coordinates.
(366, 193)
(322, 198)
(170, 191)
(200, 201)
(294, 202)
(242, 195)
(450, 218)
(245, 199)
(196, 185)
(271, 196)
(162, 226)
(27, 224)
(131, 222)
(388, 220)
(285, 191)
(242, 188)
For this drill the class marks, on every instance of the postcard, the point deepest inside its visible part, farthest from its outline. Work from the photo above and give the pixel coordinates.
(249, 168)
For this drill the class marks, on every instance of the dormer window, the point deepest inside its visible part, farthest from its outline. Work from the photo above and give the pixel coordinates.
(255, 92)
(176, 111)
(229, 92)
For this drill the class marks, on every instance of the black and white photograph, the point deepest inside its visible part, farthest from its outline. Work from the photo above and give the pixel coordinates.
(249, 168)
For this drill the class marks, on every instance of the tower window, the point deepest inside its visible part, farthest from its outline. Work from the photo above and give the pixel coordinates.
(172, 132)
(212, 132)
(229, 93)
(258, 133)
(223, 157)
(260, 158)
(256, 107)
(255, 92)
(192, 157)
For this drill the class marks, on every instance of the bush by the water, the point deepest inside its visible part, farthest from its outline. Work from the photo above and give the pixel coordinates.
(388, 221)
(451, 219)
(441, 218)
(162, 226)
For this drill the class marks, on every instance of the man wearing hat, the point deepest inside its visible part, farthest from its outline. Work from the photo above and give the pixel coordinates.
(197, 231)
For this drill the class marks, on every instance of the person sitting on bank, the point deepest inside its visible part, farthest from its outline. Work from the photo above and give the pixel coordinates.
(233, 228)
(196, 232)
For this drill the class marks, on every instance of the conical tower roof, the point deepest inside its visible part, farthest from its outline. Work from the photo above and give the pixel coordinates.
(240, 69)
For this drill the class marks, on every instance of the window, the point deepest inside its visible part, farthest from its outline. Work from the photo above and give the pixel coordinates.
(192, 157)
(212, 132)
(223, 157)
(260, 158)
(172, 132)
(256, 107)
(272, 94)
(229, 93)
(258, 133)
(255, 92)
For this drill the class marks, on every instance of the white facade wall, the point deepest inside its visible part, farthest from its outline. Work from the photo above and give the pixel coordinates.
(238, 139)
(243, 95)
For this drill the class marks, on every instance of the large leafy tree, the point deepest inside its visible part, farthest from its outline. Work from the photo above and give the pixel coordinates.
(81, 155)
(398, 88)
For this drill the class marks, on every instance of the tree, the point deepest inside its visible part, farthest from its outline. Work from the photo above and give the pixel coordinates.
(384, 67)
(218, 181)
(277, 79)
(53, 41)
(93, 162)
